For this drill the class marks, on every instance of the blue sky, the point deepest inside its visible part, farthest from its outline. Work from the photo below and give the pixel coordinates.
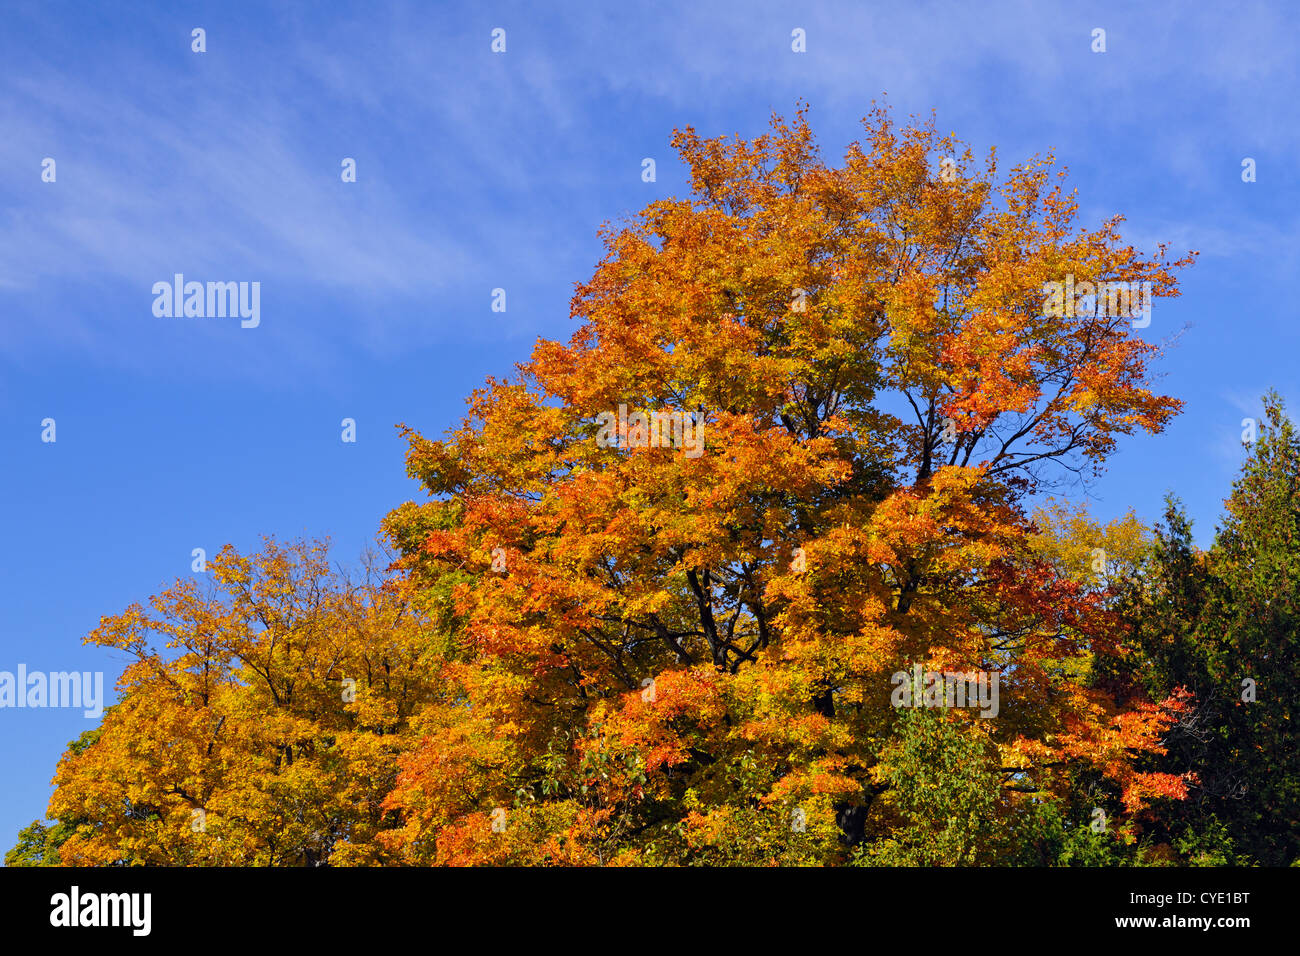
(478, 170)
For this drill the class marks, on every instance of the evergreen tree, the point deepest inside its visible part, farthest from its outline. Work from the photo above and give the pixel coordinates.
(1250, 628)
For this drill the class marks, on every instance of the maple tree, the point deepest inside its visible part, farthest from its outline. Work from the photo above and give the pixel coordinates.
(664, 656)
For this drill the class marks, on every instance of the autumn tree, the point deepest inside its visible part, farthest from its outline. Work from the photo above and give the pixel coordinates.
(258, 720)
(678, 652)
